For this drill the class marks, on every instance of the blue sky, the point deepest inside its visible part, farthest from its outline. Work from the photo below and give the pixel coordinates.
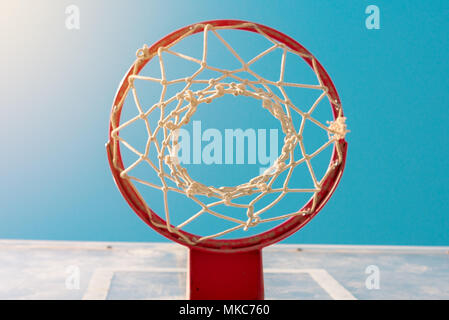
(58, 87)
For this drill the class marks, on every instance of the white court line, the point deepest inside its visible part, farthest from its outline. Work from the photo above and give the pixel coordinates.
(335, 290)
(100, 281)
(332, 287)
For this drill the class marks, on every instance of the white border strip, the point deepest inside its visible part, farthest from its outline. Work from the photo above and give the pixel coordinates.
(12, 244)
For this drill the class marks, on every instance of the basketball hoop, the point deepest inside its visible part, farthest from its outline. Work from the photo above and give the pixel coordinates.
(224, 268)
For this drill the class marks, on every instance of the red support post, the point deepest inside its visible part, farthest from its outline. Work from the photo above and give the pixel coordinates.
(225, 275)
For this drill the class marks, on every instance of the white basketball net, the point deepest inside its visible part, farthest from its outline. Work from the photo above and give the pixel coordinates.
(187, 102)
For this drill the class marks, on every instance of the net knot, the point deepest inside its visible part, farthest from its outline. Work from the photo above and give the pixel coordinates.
(171, 160)
(192, 189)
(266, 103)
(131, 81)
(262, 186)
(143, 53)
(170, 125)
(190, 97)
(227, 199)
(338, 128)
(220, 89)
(279, 165)
(239, 89)
(251, 222)
(114, 134)
(179, 96)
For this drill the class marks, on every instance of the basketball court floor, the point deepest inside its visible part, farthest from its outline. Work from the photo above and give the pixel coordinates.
(32, 269)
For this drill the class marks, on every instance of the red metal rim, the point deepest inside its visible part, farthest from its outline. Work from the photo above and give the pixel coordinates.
(243, 244)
